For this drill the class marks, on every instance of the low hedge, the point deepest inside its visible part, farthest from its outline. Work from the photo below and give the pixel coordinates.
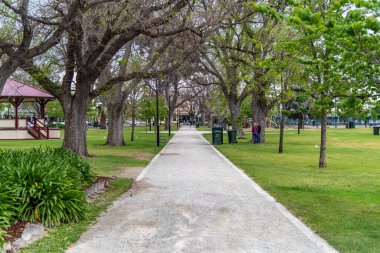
(42, 185)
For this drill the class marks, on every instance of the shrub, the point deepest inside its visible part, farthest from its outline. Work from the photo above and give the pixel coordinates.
(7, 210)
(76, 166)
(47, 194)
(48, 182)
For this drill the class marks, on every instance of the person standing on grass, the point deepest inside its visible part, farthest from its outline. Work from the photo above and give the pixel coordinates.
(254, 132)
(258, 133)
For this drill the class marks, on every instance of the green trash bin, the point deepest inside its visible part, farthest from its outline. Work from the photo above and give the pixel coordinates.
(350, 124)
(376, 130)
(217, 135)
(231, 136)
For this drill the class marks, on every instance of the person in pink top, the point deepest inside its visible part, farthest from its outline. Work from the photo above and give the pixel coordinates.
(255, 131)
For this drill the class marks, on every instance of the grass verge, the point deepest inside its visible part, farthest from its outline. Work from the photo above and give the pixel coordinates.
(342, 202)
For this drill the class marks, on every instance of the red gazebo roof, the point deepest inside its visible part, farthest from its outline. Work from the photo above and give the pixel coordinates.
(17, 89)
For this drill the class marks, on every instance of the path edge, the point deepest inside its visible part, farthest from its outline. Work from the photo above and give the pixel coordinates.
(146, 169)
(316, 239)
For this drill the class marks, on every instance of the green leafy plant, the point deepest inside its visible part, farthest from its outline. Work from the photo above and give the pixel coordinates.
(48, 194)
(77, 166)
(48, 183)
(7, 210)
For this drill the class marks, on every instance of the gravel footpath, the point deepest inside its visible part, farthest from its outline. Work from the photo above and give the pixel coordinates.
(192, 199)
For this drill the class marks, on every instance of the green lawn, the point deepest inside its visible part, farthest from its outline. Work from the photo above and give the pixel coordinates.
(107, 160)
(203, 128)
(342, 202)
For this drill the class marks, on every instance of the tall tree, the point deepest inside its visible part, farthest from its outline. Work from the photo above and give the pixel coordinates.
(221, 59)
(91, 43)
(329, 49)
(28, 31)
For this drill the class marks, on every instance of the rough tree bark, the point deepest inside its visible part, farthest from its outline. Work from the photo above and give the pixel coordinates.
(75, 127)
(322, 153)
(103, 118)
(282, 125)
(116, 112)
(203, 115)
(299, 125)
(133, 109)
(260, 108)
(234, 107)
(281, 107)
(209, 119)
(116, 106)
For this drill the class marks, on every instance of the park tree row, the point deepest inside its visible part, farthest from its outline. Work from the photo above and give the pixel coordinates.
(273, 53)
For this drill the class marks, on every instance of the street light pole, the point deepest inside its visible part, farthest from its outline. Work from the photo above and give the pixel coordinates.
(177, 93)
(157, 117)
(177, 118)
(169, 117)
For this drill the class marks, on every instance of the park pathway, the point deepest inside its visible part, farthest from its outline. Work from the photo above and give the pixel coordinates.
(192, 199)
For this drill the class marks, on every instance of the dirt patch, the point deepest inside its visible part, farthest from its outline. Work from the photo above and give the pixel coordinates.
(14, 232)
(143, 186)
(103, 179)
(143, 156)
(130, 172)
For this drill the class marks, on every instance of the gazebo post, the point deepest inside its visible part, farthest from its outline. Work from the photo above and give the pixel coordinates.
(16, 103)
(16, 110)
(42, 103)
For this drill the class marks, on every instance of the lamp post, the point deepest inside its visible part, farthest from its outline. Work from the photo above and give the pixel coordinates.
(177, 117)
(169, 119)
(157, 117)
(335, 112)
(177, 92)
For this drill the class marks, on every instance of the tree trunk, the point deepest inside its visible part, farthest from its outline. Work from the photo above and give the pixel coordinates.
(166, 123)
(203, 115)
(260, 109)
(209, 119)
(116, 115)
(235, 111)
(322, 154)
(282, 125)
(299, 126)
(133, 121)
(103, 119)
(75, 125)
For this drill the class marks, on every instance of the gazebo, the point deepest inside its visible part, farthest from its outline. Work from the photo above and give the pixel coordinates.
(15, 93)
